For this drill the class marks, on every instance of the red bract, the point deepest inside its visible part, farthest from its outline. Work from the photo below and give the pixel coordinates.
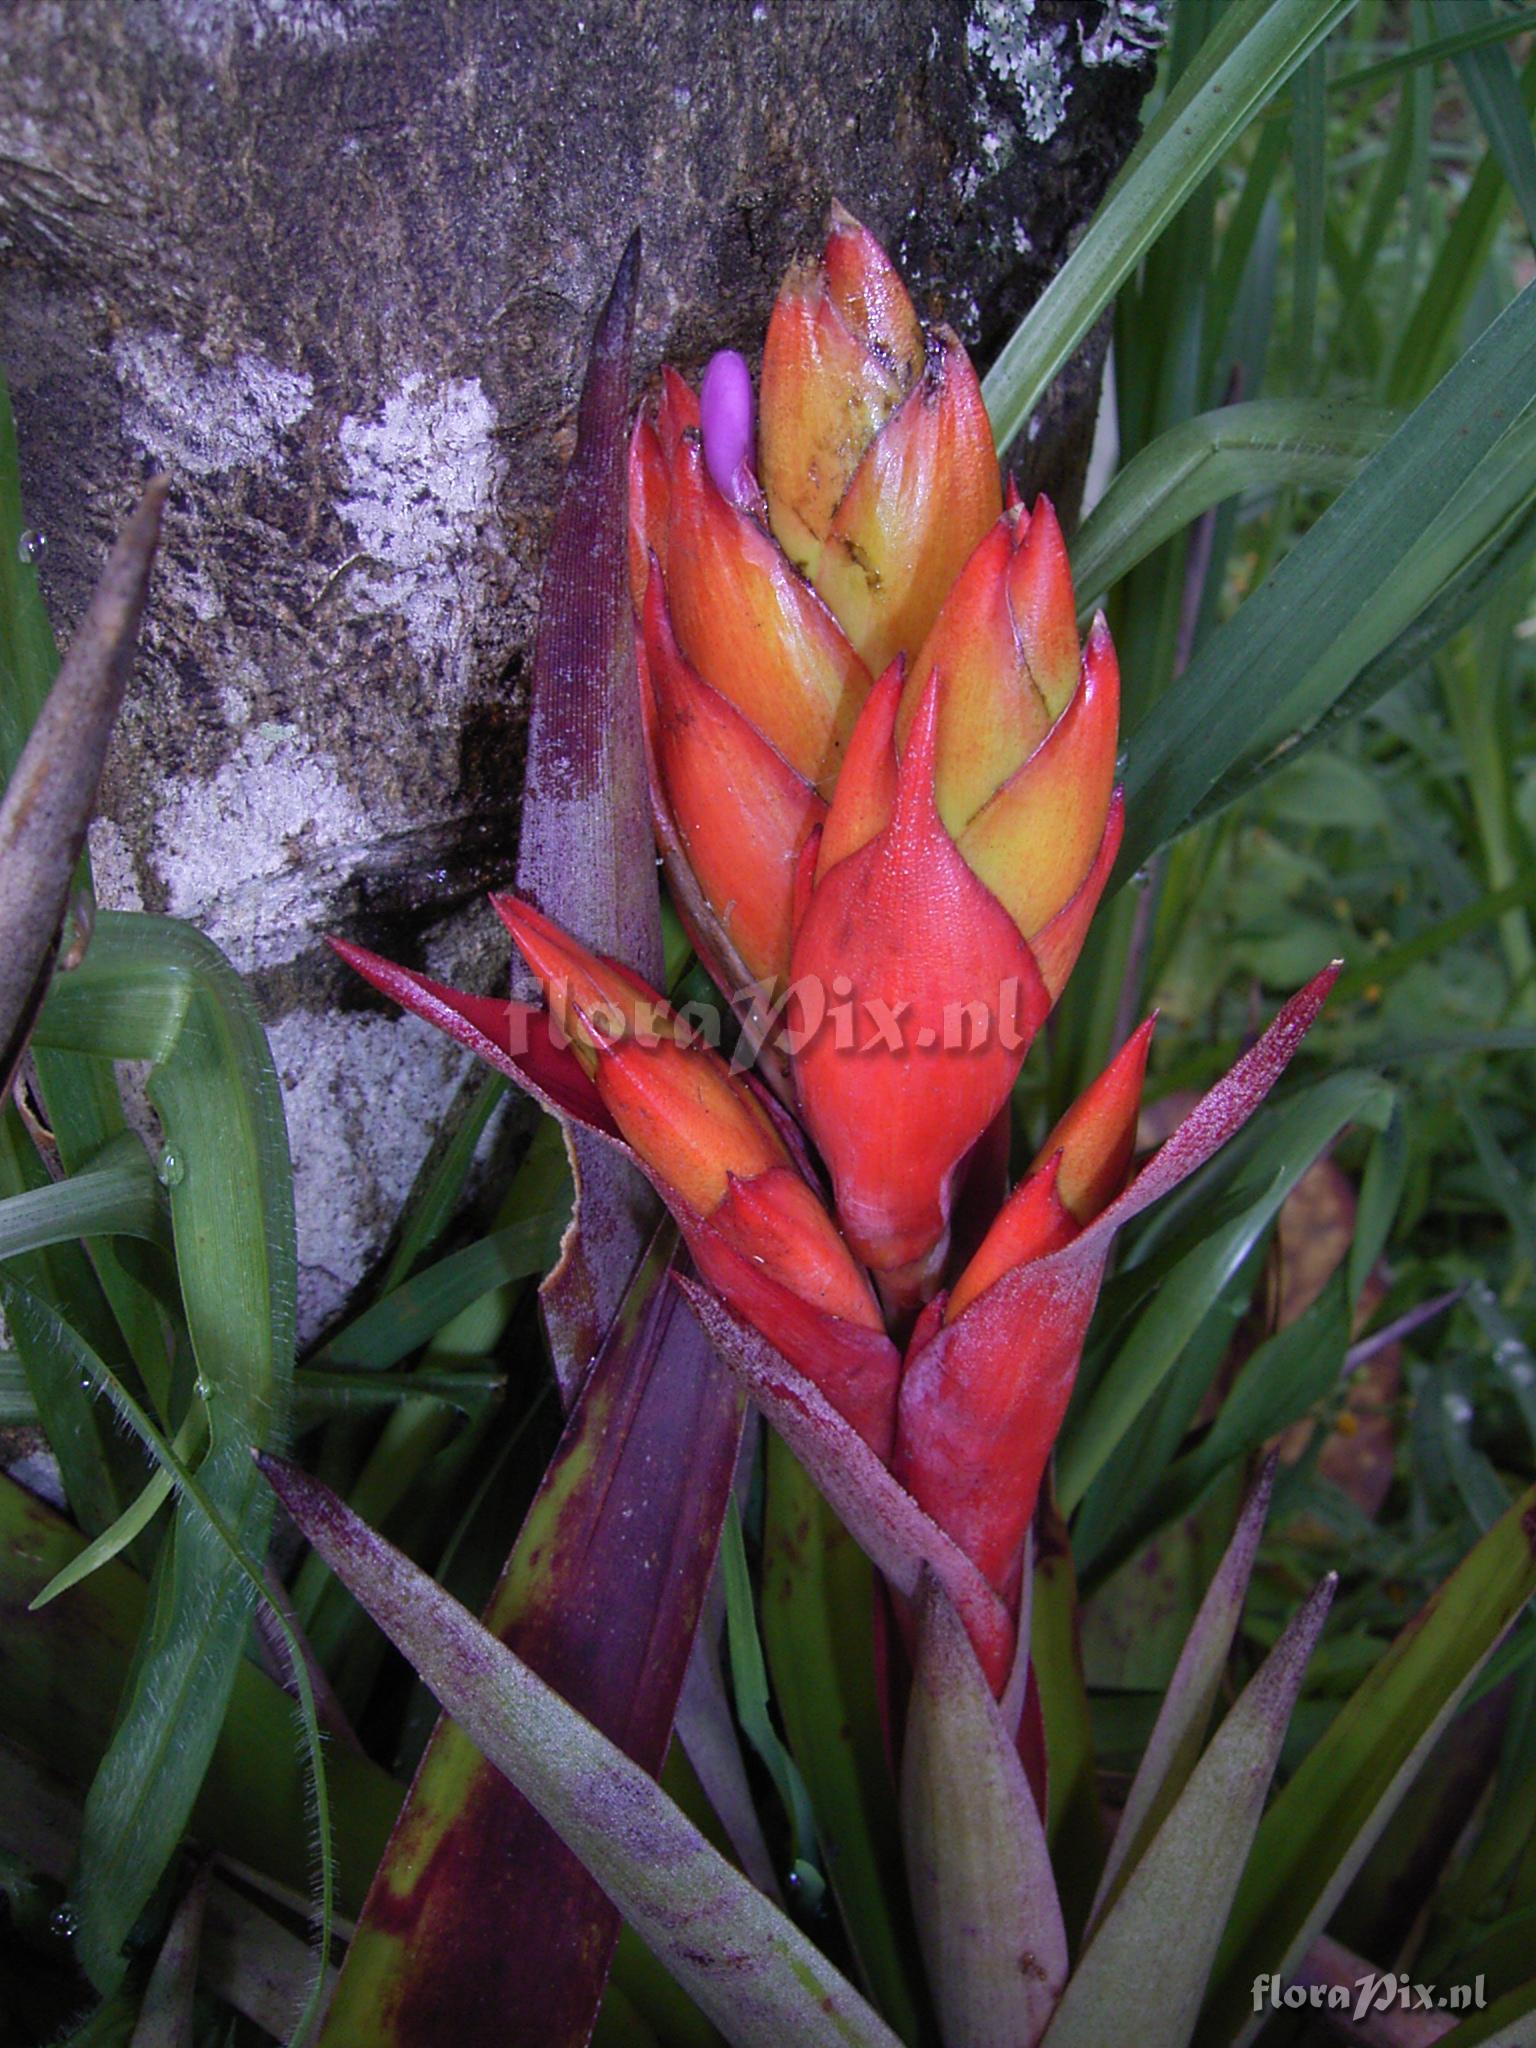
(943, 997)
(1000, 1376)
(953, 889)
(989, 1372)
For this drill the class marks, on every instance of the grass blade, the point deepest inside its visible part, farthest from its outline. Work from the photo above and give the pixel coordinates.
(819, 1596)
(403, 1320)
(430, 1215)
(249, 1569)
(1503, 1178)
(1297, 1132)
(749, 1689)
(1254, 48)
(1497, 28)
(1267, 443)
(65, 1664)
(1506, 2023)
(1309, 144)
(118, 1196)
(100, 1478)
(1494, 90)
(1430, 333)
(1286, 1375)
(135, 1518)
(231, 1197)
(1074, 1820)
(1451, 477)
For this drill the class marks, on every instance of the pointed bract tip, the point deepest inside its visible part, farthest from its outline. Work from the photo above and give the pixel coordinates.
(279, 1473)
(1253, 1514)
(615, 323)
(921, 753)
(606, 998)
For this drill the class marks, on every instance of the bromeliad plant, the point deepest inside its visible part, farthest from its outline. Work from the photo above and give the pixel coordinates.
(905, 869)
(881, 768)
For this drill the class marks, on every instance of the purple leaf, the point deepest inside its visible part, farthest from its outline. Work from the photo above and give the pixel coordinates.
(1153, 1950)
(706, 1727)
(601, 1597)
(1219, 1115)
(979, 1869)
(1185, 1714)
(746, 1966)
(584, 851)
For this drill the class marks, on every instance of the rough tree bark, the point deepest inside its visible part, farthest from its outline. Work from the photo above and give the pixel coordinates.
(332, 263)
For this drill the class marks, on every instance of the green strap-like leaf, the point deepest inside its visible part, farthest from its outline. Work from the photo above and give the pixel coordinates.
(1297, 1367)
(65, 1665)
(1456, 475)
(1263, 445)
(1494, 90)
(136, 1517)
(404, 1319)
(1496, 29)
(1254, 48)
(1179, 1731)
(101, 1475)
(1510, 2022)
(749, 1688)
(818, 1609)
(153, 986)
(1297, 1130)
(119, 1196)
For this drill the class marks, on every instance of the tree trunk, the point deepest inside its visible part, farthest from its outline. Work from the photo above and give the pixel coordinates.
(332, 264)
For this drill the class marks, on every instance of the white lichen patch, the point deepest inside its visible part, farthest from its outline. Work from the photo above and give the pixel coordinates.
(1128, 32)
(423, 478)
(1024, 60)
(206, 28)
(364, 1097)
(255, 855)
(113, 874)
(205, 418)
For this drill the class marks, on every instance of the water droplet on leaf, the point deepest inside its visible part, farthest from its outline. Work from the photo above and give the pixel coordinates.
(31, 546)
(170, 1168)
